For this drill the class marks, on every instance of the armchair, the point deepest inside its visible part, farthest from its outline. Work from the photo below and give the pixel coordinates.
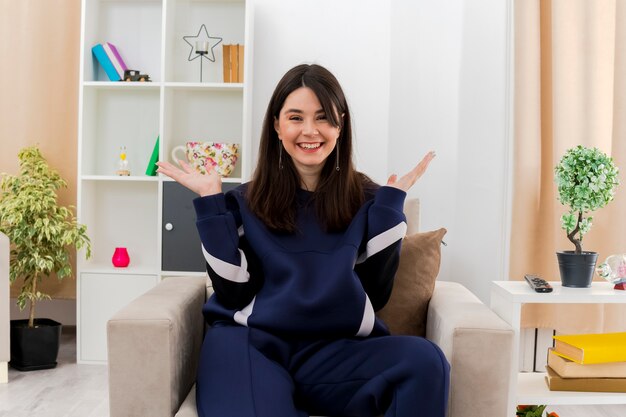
(154, 345)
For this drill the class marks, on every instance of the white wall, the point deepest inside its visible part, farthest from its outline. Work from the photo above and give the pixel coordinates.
(351, 39)
(418, 75)
(450, 78)
(61, 310)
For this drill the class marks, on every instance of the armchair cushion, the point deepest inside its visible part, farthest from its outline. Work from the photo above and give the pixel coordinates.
(420, 258)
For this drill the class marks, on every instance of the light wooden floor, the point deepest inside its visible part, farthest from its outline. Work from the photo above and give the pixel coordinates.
(69, 390)
(72, 390)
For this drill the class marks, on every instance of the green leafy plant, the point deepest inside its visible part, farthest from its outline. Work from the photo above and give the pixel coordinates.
(533, 411)
(41, 232)
(586, 179)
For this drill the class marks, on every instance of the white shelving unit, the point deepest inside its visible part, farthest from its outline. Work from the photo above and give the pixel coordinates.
(176, 107)
(507, 298)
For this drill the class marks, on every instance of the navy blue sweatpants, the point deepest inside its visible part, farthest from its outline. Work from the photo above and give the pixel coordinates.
(246, 372)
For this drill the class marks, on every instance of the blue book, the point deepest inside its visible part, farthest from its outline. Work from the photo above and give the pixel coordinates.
(106, 63)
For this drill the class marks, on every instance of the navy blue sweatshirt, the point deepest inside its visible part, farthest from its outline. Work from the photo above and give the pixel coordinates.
(310, 283)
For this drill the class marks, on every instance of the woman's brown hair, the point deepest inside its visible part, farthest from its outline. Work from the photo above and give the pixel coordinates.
(339, 193)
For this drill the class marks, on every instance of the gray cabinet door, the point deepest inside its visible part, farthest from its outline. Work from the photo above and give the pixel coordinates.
(181, 250)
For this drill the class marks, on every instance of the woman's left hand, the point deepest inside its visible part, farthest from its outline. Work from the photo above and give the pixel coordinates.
(406, 181)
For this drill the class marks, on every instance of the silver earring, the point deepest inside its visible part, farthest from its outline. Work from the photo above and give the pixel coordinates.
(337, 158)
(280, 156)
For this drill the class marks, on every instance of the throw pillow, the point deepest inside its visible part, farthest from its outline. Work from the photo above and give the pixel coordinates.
(420, 258)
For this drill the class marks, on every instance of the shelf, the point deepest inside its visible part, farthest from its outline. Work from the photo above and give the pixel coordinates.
(121, 214)
(133, 26)
(131, 211)
(167, 274)
(532, 389)
(223, 19)
(205, 1)
(135, 1)
(520, 292)
(130, 178)
(115, 117)
(115, 85)
(111, 270)
(507, 298)
(228, 180)
(209, 86)
(205, 86)
(203, 115)
(232, 180)
(103, 294)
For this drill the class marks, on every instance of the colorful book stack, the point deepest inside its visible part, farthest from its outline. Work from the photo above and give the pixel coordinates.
(588, 362)
(233, 63)
(111, 61)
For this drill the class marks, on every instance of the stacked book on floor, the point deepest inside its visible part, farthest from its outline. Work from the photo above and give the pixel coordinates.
(588, 362)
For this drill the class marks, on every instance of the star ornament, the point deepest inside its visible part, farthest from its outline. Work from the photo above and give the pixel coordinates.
(203, 35)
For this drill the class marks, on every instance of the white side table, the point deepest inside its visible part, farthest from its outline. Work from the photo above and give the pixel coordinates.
(507, 298)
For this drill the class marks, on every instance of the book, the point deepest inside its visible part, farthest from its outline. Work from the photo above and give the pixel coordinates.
(115, 58)
(154, 158)
(240, 63)
(570, 369)
(226, 60)
(556, 383)
(106, 64)
(234, 62)
(592, 348)
(543, 342)
(527, 350)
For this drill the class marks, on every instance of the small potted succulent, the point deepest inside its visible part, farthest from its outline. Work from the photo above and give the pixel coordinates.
(586, 179)
(41, 233)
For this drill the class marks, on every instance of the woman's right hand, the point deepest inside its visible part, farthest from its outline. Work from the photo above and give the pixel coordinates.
(203, 185)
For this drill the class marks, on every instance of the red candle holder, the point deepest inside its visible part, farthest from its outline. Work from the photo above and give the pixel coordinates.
(120, 258)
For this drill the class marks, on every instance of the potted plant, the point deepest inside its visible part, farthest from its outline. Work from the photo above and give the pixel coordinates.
(586, 179)
(533, 411)
(41, 233)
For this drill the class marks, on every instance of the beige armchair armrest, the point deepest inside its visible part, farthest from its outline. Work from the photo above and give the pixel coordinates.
(478, 345)
(153, 348)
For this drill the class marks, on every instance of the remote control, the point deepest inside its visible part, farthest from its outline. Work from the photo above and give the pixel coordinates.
(537, 283)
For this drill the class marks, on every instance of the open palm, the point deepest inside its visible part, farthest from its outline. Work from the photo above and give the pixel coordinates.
(405, 182)
(203, 185)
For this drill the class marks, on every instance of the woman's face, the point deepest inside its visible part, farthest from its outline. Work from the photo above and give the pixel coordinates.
(306, 133)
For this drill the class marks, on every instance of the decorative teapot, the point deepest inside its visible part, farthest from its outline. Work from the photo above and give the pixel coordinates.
(613, 269)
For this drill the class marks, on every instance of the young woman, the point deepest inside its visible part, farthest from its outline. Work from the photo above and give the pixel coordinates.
(300, 259)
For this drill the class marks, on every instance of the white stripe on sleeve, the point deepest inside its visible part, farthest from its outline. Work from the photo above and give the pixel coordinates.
(241, 317)
(226, 270)
(367, 324)
(382, 241)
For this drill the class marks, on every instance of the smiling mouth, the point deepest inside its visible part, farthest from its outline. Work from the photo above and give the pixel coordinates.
(310, 145)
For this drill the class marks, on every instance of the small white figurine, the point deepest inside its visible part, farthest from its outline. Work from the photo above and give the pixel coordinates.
(123, 168)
